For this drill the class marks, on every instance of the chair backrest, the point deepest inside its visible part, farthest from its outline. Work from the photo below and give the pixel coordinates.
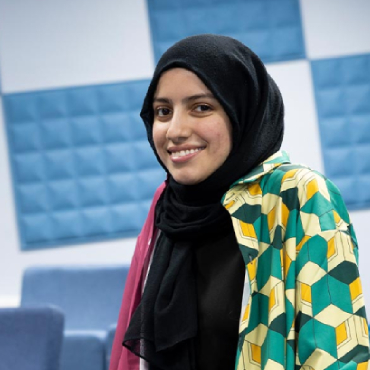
(89, 296)
(30, 338)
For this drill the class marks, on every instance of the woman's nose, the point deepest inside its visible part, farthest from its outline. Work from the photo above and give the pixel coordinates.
(178, 128)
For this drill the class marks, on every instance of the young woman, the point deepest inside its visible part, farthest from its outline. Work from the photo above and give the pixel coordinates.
(246, 261)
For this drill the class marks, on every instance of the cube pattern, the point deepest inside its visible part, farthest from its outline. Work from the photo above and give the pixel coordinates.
(304, 277)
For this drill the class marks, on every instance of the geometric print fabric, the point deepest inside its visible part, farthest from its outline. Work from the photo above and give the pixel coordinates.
(301, 259)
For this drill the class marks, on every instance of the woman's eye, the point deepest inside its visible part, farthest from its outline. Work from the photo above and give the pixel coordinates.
(202, 108)
(161, 112)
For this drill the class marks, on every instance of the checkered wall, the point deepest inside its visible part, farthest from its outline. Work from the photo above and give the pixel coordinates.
(72, 88)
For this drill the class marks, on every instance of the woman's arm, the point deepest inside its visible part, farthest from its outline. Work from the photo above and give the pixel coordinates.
(331, 325)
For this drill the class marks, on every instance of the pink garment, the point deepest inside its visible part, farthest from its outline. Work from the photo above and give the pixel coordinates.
(121, 358)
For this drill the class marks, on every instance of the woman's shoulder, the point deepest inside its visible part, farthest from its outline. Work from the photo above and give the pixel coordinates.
(293, 173)
(278, 173)
(299, 177)
(296, 185)
(281, 178)
(302, 180)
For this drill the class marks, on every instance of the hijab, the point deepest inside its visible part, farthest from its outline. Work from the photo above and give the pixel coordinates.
(164, 325)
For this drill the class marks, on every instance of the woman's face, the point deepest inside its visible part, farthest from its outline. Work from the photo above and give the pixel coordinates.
(192, 133)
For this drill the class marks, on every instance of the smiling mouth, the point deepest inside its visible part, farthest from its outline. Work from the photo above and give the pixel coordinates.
(183, 153)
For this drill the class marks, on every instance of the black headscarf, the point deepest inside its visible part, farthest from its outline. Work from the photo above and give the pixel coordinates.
(164, 325)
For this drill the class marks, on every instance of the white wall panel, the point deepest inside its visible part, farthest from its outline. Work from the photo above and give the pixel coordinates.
(8, 230)
(57, 43)
(301, 138)
(336, 28)
(51, 44)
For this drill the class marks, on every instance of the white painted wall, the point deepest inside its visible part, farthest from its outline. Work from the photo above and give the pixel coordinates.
(58, 43)
(295, 83)
(336, 28)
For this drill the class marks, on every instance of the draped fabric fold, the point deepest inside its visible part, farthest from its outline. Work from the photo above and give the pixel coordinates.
(164, 326)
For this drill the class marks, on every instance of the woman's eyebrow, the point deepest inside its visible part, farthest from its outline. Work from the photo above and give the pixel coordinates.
(198, 96)
(162, 100)
(185, 100)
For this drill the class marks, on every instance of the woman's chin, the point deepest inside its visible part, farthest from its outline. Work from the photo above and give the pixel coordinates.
(187, 179)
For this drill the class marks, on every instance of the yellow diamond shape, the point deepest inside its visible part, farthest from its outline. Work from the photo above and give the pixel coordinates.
(271, 218)
(255, 189)
(306, 293)
(355, 288)
(248, 230)
(341, 333)
(256, 353)
(312, 189)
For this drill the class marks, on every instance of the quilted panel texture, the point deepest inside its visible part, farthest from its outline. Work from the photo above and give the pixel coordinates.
(82, 167)
(342, 89)
(273, 29)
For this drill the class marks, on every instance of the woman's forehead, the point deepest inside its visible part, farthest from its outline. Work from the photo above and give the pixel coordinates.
(180, 81)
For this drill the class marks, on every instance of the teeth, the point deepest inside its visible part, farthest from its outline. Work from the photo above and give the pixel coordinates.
(182, 153)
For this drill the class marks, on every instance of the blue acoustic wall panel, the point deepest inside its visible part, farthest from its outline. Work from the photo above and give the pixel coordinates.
(342, 89)
(82, 167)
(273, 29)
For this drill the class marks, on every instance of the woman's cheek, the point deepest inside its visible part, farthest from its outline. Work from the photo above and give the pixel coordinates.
(159, 138)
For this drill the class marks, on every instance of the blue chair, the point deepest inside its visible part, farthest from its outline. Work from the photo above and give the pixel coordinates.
(31, 338)
(90, 297)
(109, 343)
